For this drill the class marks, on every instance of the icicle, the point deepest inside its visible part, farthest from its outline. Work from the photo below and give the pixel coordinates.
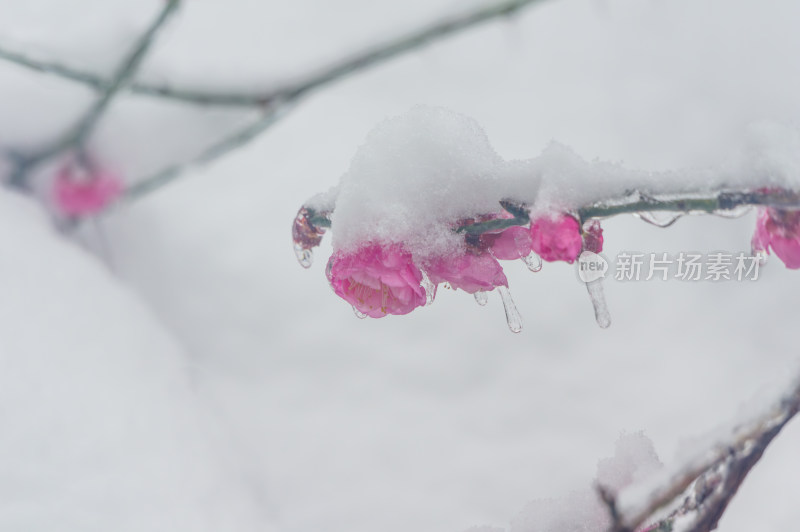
(481, 298)
(360, 315)
(601, 314)
(533, 262)
(304, 256)
(513, 318)
(661, 219)
(429, 287)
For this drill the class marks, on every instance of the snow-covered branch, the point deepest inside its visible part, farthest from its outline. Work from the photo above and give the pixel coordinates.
(701, 489)
(448, 209)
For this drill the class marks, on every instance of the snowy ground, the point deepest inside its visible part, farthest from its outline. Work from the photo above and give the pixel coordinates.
(210, 383)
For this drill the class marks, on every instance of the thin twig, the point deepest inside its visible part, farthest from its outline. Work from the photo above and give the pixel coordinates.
(236, 140)
(325, 76)
(78, 134)
(280, 101)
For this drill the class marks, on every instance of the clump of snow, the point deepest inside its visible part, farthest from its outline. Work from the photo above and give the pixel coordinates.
(772, 152)
(582, 511)
(414, 176)
(419, 173)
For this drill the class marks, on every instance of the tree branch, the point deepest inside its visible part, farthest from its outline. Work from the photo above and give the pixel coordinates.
(236, 140)
(709, 483)
(325, 76)
(78, 134)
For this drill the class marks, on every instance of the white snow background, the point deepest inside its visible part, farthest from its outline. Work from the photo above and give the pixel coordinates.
(207, 382)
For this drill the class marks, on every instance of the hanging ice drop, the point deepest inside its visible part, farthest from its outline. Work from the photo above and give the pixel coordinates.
(601, 314)
(304, 256)
(360, 315)
(429, 287)
(513, 318)
(659, 219)
(533, 262)
(481, 298)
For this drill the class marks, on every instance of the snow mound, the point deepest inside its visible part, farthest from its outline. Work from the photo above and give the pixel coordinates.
(102, 428)
(582, 511)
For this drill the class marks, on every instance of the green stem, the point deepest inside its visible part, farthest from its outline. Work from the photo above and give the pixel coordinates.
(692, 203)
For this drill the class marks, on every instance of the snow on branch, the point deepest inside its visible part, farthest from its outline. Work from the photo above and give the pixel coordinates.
(427, 201)
(702, 488)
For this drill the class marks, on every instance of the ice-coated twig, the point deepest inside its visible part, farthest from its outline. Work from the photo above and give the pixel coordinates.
(707, 484)
(339, 69)
(689, 202)
(78, 134)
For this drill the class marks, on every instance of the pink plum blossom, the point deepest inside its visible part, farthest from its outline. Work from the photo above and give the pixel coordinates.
(84, 195)
(472, 272)
(377, 280)
(556, 238)
(593, 236)
(780, 230)
(508, 244)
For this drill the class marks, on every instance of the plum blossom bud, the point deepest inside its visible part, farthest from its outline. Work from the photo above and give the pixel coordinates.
(82, 193)
(556, 238)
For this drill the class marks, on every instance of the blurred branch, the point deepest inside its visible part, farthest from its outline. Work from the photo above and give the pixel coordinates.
(339, 69)
(76, 136)
(707, 484)
(235, 140)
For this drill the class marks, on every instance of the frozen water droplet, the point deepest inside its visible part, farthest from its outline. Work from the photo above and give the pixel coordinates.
(304, 256)
(601, 313)
(513, 318)
(736, 212)
(481, 298)
(761, 256)
(533, 262)
(659, 219)
(360, 315)
(429, 287)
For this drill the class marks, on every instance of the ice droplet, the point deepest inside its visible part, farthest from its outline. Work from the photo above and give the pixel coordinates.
(481, 298)
(533, 262)
(659, 219)
(761, 256)
(513, 318)
(429, 287)
(304, 256)
(360, 315)
(601, 314)
(736, 212)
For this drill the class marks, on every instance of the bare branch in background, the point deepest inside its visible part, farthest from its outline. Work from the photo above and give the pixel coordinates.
(217, 150)
(344, 67)
(708, 484)
(76, 136)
